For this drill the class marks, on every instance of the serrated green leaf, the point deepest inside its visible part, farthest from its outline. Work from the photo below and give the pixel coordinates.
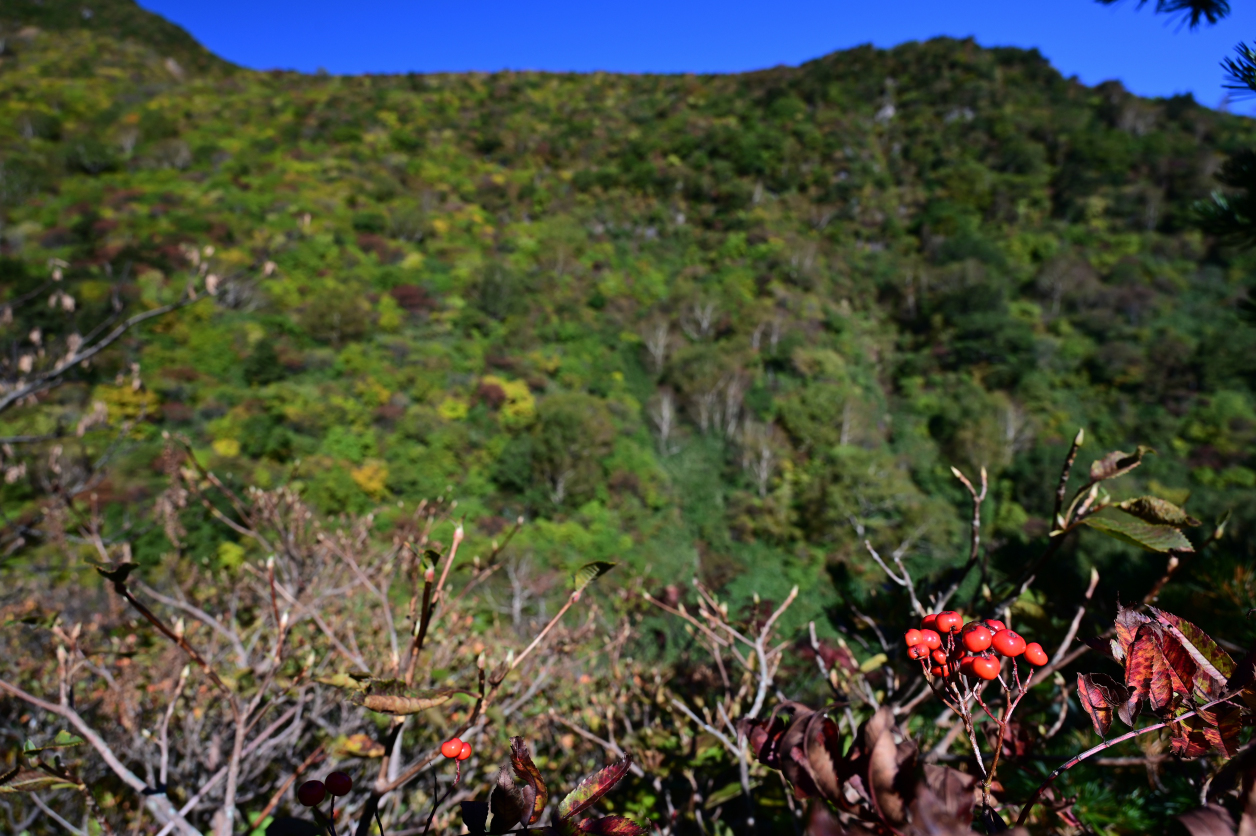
(588, 573)
(1157, 511)
(1153, 538)
(63, 740)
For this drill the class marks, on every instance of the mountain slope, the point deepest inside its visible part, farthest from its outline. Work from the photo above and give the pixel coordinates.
(121, 19)
(722, 322)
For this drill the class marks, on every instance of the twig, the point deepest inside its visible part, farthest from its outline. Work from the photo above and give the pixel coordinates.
(157, 803)
(312, 759)
(49, 379)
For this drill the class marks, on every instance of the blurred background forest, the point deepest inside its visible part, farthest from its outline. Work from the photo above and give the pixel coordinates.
(712, 326)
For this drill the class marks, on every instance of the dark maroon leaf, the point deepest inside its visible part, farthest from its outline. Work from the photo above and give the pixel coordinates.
(889, 775)
(475, 815)
(1213, 820)
(764, 737)
(792, 754)
(952, 791)
(509, 804)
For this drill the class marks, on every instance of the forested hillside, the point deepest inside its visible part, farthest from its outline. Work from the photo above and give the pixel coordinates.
(717, 325)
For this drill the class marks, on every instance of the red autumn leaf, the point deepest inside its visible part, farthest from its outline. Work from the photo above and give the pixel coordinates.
(1214, 665)
(1128, 620)
(527, 772)
(1163, 678)
(1188, 739)
(1099, 694)
(592, 788)
(1140, 662)
(1223, 724)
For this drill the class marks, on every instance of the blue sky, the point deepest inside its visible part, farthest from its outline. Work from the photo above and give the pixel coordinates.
(1152, 55)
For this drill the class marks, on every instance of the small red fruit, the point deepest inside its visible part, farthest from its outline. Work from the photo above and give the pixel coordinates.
(451, 748)
(465, 751)
(338, 784)
(930, 639)
(985, 667)
(995, 625)
(913, 636)
(940, 670)
(312, 793)
(949, 622)
(977, 638)
(939, 656)
(1008, 642)
(1035, 655)
(918, 651)
(929, 622)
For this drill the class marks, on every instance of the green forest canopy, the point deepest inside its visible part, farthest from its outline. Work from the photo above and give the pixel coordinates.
(829, 283)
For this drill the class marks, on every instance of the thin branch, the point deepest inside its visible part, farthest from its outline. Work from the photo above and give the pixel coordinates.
(53, 377)
(157, 803)
(1107, 744)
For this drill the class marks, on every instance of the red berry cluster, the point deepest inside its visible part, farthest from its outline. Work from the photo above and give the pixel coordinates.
(948, 646)
(455, 748)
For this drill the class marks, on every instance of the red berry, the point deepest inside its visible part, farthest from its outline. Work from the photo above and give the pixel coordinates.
(949, 622)
(913, 636)
(338, 784)
(985, 667)
(1035, 655)
(1008, 642)
(966, 665)
(451, 748)
(917, 651)
(312, 793)
(939, 656)
(464, 752)
(929, 622)
(977, 638)
(940, 670)
(930, 639)
(995, 625)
